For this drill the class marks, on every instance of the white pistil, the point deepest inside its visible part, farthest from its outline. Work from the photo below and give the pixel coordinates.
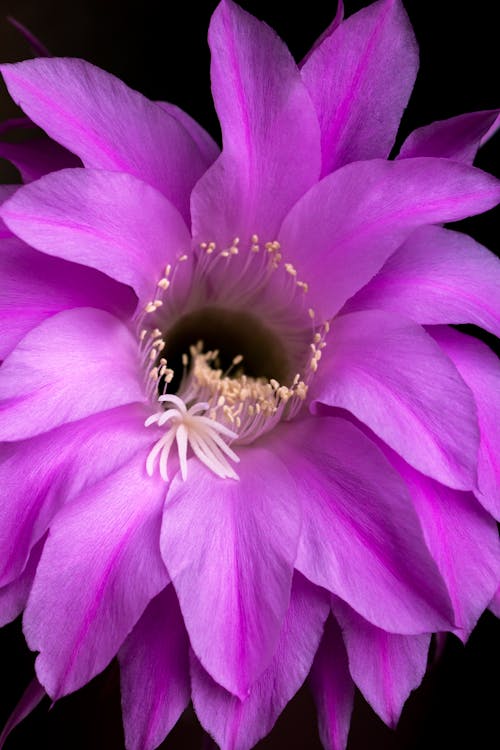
(187, 427)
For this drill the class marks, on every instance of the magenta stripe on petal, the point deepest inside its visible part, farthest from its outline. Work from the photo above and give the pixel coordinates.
(154, 673)
(74, 364)
(109, 541)
(234, 591)
(239, 724)
(333, 688)
(360, 79)
(107, 124)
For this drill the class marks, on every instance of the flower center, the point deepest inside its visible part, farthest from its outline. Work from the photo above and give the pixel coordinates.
(230, 347)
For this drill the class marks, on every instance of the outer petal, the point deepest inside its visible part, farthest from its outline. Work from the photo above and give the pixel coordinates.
(384, 666)
(30, 699)
(109, 540)
(109, 221)
(37, 157)
(360, 79)
(41, 474)
(342, 231)
(206, 144)
(239, 725)
(74, 364)
(107, 125)
(229, 547)
(390, 374)
(154, 671)
(458, 138)
(35, 286)
(437, 276)
(333, 689)
(480, 369)
(361, 537)
(463, 540)
(270, 133)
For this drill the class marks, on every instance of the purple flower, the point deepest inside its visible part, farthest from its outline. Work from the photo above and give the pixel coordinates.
(234, 456)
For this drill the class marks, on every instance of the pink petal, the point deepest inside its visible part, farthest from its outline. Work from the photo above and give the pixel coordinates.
(229, 547)
(458, 138)
(30, 699)
(270, 133)
(391, 375)
(360, 79)
(154, 672)
(108, 125)
(41, 474)
(37, 157)
(36, 286)
(495, 603)
(386, 667)
(480, 369)
(239, 724)
(343, 230)
(74, 364)
(463, 540)
(204, 141)
(14, 595)
(361, 537)
(437, 276)
(109, 541)
(112, 222)
(333, 689)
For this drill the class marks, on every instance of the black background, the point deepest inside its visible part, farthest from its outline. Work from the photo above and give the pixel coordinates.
(161, 50)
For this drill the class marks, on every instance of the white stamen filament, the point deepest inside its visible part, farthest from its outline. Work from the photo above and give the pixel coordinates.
(188, 429)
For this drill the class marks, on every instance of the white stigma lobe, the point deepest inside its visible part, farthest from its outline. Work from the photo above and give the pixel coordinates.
(187, 427)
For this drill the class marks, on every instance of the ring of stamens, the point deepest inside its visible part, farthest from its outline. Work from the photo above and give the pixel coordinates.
(215, 409)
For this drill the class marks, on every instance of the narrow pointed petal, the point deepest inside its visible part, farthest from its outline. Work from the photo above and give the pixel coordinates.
(41, 474)
(30, 699)
(270, 133)
(386, 667)
(458, 138)
(37, 157)
(36, 286)
(109, 221)
(83, 361)
(361, 538)
(239, 724)
(106, 124)
(154, 673)
(360, 79)
(109, 540)
(463, 540)
(333, 688)
(437, 276)
(480, 369)
(390, 374)
(206, 144)
(14, 595)
(356, 218)
(229, 547)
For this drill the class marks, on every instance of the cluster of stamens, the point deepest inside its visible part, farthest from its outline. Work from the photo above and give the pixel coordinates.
(214, 408)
